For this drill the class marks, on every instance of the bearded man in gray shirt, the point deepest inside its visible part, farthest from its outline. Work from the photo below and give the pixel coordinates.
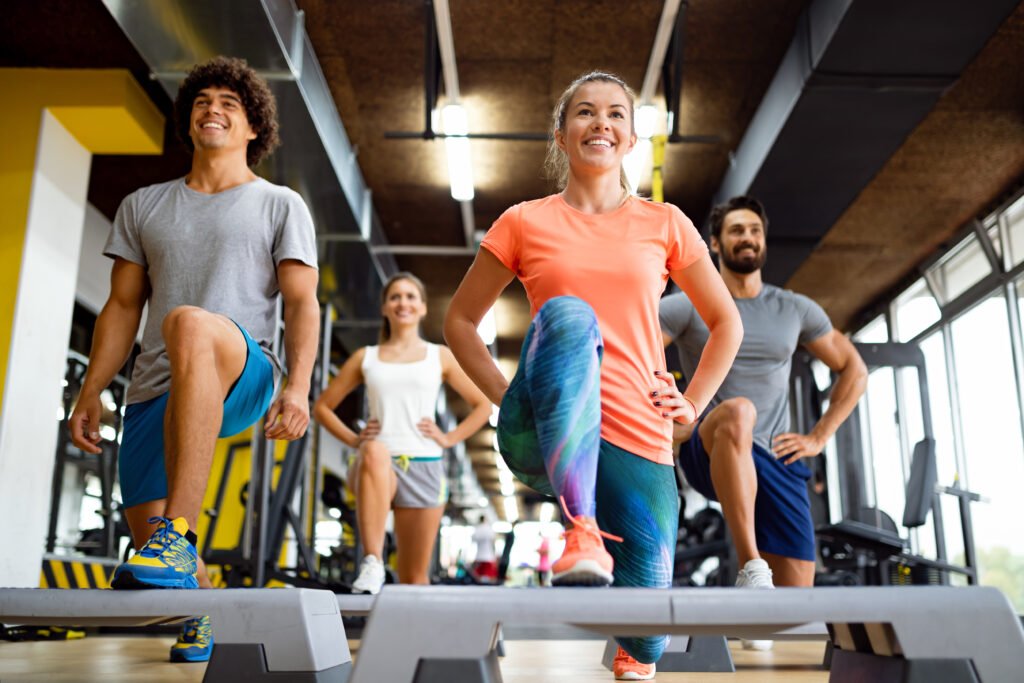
(208, 253)
(741, 452)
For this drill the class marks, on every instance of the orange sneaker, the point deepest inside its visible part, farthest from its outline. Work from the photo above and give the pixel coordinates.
(626, 668)
(584, 562)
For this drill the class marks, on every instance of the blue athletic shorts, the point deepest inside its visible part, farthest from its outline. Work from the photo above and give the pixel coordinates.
(782, 510)
(141, 456)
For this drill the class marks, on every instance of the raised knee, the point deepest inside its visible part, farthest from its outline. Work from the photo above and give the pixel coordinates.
(737, 418)
(567, 315)
(184, 325)
(739, 412)
(566, 304)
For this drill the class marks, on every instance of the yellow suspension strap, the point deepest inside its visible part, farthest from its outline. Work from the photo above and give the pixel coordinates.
(657, 161)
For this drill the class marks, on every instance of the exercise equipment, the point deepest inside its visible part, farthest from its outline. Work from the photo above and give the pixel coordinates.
(867, 542)
(937, 634)
(262, 634)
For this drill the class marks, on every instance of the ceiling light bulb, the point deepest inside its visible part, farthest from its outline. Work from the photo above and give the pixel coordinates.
(646, 121)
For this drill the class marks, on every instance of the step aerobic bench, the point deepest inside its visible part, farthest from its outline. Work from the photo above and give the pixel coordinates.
(911, 634)
(261, 634)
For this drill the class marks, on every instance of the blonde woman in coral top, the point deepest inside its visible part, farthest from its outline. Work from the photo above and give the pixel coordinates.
(588, 417)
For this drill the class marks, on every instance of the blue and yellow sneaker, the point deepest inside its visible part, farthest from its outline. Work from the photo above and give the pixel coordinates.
(168, 560)
(195, 642)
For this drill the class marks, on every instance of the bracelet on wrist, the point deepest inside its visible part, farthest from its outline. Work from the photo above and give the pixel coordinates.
(693, 405)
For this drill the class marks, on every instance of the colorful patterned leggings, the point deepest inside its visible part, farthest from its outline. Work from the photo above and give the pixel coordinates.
(549, 432)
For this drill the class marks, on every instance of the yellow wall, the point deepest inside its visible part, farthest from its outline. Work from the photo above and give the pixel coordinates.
(106, 111)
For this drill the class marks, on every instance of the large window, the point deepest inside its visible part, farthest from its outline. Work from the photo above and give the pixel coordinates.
(968, 335)
(993, 445)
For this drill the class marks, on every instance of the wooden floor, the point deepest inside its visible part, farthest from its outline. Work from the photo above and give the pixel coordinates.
(109, 659)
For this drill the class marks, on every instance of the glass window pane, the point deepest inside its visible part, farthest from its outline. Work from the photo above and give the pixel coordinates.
(885, 464)
(993, 447)
(954, 534)
(875, 332)
(965, 265)
(916, 309)
(1019, 288)
(934, 349)
(1013, 226)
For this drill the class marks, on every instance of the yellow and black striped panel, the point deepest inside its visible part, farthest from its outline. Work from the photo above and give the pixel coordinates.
(63, 572)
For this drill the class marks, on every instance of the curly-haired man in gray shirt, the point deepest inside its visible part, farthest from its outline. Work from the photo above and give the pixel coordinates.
(208, 254)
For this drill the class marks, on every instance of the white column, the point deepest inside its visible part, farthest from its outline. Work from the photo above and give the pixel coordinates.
(38, 352)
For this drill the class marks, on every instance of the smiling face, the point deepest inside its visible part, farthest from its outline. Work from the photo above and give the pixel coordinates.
(403, 304)
(598, 130)
(741, 246)
(218, 121)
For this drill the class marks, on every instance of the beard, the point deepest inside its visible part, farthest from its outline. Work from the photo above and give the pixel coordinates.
(744, 265)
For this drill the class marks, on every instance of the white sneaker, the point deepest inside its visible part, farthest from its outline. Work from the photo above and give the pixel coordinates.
(756, 574)
(371, 576)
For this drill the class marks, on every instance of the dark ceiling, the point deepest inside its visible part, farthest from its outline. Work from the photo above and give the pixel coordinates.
(513, 60)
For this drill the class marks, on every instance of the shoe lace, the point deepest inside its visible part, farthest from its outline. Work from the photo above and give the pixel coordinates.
(203, 630)
(585, 525)
(164, 536)
(189, 631)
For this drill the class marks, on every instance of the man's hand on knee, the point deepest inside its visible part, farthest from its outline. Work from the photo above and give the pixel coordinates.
(288, 416)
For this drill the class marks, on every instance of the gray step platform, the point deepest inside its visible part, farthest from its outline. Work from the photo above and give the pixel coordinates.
(261, 634)
(355, 605)
(908, 634)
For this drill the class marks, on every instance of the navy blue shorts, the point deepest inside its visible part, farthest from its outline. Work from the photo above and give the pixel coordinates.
(782, 510)
(141, 456)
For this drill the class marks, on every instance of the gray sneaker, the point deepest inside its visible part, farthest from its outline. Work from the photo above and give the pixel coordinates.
(371, 576)
(755, 574)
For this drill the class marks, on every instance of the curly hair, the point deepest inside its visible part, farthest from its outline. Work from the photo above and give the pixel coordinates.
(257, 100)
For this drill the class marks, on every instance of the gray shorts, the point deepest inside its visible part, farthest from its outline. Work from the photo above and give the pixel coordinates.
(420, 483)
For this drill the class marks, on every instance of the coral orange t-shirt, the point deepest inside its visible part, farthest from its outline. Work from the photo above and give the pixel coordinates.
(618, 262)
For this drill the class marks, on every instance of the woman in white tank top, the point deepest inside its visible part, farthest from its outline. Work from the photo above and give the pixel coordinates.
(399, 462)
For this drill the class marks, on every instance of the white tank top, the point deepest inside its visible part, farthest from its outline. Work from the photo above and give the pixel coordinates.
(400, 395)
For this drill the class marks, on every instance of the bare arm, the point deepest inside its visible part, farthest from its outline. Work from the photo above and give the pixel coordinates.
(839, 354)
(457, 380)
(484, 281)
(349, 377)
(288, 416)
(112, 341)
(710, 297)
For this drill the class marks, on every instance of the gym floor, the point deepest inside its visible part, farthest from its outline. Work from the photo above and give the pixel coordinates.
(113, 659)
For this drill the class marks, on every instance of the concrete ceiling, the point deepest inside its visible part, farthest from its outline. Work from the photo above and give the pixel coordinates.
(515, 57)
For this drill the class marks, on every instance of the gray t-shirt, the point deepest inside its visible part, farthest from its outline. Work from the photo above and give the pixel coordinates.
(216, 251)
(774, 323)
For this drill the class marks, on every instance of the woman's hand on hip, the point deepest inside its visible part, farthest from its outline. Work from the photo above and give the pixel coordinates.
(429, 429)
(672, 405)
(369, 432)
